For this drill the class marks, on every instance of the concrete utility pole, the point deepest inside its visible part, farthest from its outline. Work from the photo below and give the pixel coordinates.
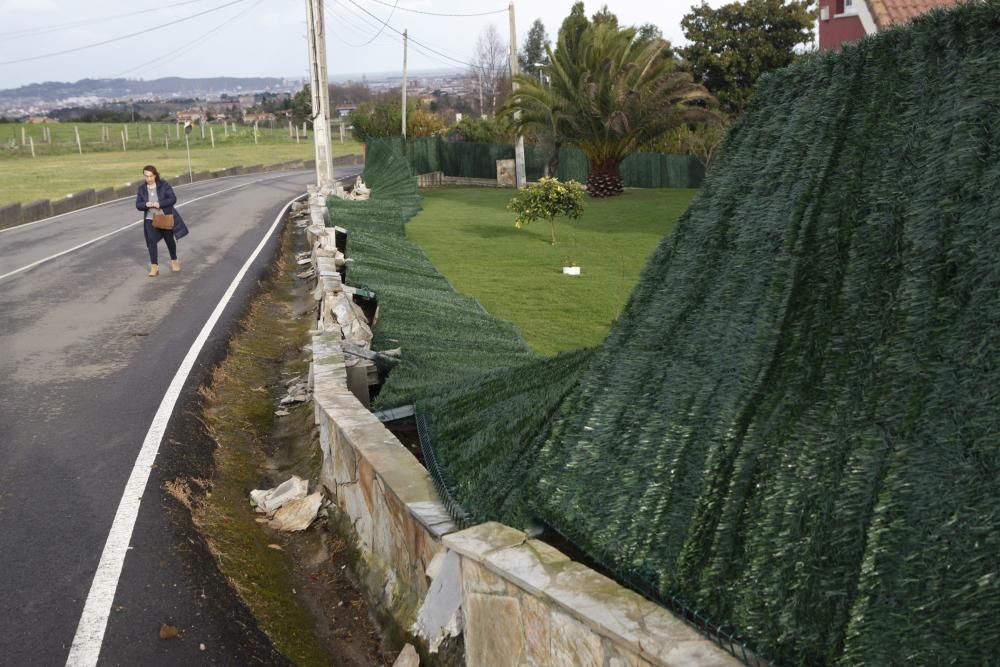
(481, 113)
(320, 92)
(405, 39)
(187, 144)
(519, 174)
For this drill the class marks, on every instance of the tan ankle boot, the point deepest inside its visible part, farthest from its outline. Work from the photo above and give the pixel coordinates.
(154, 270)
(175, 265)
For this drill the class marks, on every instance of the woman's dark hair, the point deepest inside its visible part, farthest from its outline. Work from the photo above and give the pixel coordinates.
(151, 168)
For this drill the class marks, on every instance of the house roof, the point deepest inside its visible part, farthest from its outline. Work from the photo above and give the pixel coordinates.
(889, 12)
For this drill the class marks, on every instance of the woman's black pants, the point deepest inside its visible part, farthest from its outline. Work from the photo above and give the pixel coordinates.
(153, 236)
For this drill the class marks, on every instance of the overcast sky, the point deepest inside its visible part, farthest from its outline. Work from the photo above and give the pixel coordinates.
(266, 37)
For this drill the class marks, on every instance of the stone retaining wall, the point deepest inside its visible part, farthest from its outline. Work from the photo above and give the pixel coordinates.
(380, 489)
(520, 601)
(526, 603)
(12, 215)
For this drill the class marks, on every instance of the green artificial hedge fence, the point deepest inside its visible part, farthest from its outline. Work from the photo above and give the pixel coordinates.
(469, 159)
(794, 427)
(445, 336)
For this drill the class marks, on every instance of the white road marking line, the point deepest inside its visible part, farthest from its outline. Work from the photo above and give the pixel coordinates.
(121, 229)
(121, 199)
(86, 648)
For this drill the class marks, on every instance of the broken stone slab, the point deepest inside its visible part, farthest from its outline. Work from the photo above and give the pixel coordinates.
(388, 359)
(270, 500)
(297, 514)
(440, 616)
(351, 319)
(407, 657)
(297, 394)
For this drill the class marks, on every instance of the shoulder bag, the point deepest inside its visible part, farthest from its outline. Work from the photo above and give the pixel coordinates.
(163, 221)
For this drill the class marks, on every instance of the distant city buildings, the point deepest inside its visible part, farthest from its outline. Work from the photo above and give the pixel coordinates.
(192, 102)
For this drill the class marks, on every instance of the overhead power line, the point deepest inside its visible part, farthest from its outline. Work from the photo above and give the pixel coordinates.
(418, 11)
(144, 31)
(31, 32)
(383, 25)
(348, 17)
(428, 48)
(221, 26)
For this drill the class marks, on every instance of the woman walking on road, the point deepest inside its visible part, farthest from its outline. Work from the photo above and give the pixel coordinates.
(155, 196)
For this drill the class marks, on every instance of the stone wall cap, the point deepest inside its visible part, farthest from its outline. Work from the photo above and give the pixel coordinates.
(608, 608)
(483, 539)
(434, 516)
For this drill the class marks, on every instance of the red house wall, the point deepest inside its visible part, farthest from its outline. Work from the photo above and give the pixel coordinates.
(838, 29)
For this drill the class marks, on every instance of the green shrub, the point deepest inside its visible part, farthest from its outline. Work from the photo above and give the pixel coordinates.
(547, 200)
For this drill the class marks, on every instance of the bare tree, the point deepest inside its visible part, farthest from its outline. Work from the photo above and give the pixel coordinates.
(491, 70)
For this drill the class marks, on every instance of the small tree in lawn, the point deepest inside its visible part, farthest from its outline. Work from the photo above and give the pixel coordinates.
(546, 200)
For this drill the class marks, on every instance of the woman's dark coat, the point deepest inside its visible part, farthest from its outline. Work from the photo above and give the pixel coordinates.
(165, 195)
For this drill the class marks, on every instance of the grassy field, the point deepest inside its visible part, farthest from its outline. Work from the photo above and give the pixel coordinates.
(62, 170)
(517, 275)
(60, 138)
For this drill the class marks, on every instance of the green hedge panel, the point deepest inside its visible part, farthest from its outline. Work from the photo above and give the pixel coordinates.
(793, 426)
(478, 160)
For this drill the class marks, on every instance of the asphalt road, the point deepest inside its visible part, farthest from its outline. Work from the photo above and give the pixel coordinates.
(88, 348)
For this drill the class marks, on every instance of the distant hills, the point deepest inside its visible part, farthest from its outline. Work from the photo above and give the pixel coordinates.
(53, 91)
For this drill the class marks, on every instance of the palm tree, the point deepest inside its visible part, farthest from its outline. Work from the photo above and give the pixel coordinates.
(608, 94)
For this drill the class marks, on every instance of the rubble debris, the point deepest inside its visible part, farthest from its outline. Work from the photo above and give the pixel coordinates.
(297, 514)
(407, 657)
(298, 393)
(360, 191)
(270, 500)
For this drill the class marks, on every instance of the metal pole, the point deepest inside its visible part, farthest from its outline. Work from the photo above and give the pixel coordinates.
(187, 144)
(405, 39)
(519, 174)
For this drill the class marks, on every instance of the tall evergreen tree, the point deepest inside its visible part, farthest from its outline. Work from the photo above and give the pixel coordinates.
(535, 49)
(732, 46)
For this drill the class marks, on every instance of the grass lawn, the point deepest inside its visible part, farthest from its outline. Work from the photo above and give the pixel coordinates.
(25, 179)
(470, 237)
